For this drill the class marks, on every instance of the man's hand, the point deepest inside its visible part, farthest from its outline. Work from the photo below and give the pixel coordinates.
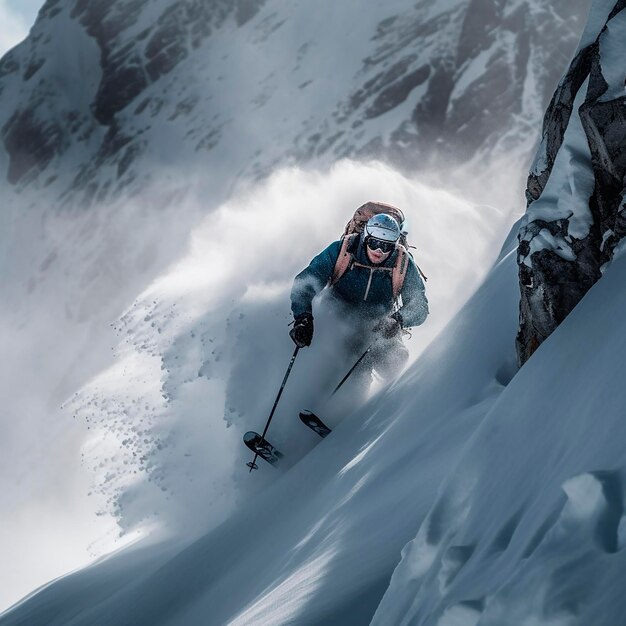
(302, 331)
(390, 326)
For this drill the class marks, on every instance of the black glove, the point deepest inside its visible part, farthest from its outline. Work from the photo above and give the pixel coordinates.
(390, 326)
(302, 331)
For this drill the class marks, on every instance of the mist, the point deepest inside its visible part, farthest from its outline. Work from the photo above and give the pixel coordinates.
(202, 350)
(129, 388)
(65, 278)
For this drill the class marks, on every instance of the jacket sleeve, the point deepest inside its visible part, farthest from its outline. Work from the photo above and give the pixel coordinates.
(311, 280)
(414, 309)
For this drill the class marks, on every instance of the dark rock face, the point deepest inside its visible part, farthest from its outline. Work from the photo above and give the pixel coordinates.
(557, 118)
(558, 260)
(129, 68)
(395, 85)
(31, 144)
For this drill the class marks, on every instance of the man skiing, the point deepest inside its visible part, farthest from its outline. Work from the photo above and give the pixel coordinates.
(369, 280)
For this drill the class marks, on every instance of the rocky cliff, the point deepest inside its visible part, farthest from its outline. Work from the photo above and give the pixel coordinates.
(575, 219)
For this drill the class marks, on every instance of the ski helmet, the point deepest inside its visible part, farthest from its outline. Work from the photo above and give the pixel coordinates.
(384, 227)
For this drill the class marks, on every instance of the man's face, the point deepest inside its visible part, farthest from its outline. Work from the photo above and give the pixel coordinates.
(376, 256)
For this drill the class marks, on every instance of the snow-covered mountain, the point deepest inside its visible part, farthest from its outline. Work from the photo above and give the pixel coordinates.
(123, 125)
(107, 96)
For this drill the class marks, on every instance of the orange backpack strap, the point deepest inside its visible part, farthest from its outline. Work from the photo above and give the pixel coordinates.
(400, 268)
(345, 261)
(345, 257)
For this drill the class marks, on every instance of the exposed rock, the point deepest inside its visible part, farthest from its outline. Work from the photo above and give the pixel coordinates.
(575, 192)
(398, 92)
(9, 64)
(123, 74)
(557, 118)
(381, 81)
(31, 144)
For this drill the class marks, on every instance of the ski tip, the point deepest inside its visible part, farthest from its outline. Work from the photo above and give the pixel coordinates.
(251, 436)
(306, 413)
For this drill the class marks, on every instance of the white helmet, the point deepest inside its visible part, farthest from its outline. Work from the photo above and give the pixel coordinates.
(384, 227)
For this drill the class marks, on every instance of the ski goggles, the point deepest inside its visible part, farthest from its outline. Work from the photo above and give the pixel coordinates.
(380, 244)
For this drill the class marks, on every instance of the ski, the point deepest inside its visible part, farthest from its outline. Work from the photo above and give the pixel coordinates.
(263, 448)
(314, 423)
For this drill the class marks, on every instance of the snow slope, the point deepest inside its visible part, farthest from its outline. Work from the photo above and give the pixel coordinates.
(319, 544)
(101, 165)
(143, 447)
(529, 528)
(516, 498)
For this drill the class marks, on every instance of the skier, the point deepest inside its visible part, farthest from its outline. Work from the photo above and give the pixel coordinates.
(369, 280)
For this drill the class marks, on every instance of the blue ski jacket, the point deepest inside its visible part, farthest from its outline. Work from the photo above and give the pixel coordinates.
(361, 291)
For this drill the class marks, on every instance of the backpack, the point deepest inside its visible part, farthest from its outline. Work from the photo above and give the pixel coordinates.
(363, 214)
(350, 241)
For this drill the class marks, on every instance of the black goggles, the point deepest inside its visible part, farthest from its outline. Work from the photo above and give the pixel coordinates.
(380, 244)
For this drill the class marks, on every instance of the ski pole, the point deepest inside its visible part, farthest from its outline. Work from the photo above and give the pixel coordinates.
(252, 465)
(343, 380)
